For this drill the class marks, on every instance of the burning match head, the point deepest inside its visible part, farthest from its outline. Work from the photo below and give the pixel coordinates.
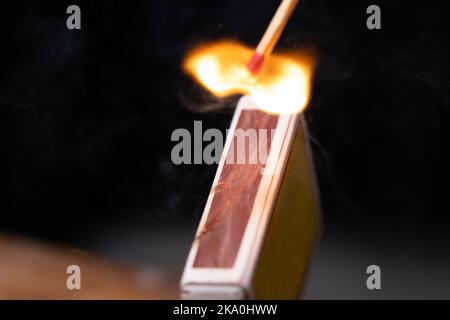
(255, 64)
(282, 85)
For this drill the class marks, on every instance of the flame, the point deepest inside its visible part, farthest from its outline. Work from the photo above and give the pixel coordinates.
(282, 86)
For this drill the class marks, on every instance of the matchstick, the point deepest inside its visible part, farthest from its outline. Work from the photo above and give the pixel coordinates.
(272, 35)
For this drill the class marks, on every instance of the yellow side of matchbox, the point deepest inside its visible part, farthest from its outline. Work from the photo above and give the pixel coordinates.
(293, 230)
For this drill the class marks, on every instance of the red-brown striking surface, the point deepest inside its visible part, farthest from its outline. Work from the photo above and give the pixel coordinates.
(233, 200)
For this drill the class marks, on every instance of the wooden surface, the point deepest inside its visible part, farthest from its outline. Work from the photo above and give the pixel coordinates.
(33, 270)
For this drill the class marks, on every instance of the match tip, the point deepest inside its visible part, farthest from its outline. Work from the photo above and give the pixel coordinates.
(255, 63)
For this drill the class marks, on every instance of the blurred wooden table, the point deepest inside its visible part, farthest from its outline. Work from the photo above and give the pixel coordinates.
(34, 270)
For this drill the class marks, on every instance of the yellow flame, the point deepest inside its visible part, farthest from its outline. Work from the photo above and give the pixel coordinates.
(282, 86)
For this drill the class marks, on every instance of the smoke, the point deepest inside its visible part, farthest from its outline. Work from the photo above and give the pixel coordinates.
(198, 100)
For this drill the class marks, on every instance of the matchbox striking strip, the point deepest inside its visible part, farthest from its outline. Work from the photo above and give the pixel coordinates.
(229, 212)
(228, 256)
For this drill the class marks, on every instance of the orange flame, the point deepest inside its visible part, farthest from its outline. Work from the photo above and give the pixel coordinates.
(282, 86)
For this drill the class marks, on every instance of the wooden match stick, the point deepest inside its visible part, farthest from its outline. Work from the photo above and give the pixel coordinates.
(272, 35)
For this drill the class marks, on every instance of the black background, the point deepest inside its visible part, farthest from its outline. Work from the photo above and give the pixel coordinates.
(86, 116)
